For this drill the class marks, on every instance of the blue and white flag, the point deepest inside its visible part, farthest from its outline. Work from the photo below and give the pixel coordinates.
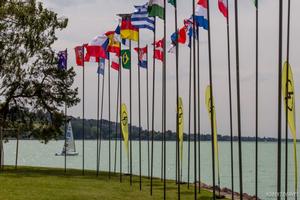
(101, 66)
(143, 57)
(62, 60)
(140, 18)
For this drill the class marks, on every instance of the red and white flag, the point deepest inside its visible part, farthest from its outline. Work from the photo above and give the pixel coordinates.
(79, 55)
(96, 48)
(115, 61)
(159, 50)
(223, 7)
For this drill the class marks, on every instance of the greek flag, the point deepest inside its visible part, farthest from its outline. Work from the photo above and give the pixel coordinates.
(140, 18)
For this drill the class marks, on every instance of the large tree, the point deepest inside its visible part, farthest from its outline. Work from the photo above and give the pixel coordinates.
(33, 90)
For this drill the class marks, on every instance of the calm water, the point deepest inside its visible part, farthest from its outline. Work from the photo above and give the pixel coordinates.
(34, 153)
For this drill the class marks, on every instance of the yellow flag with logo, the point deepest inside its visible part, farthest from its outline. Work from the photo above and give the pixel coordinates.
(288, 93)
(180, 126)
(124, 125)
(212, 113)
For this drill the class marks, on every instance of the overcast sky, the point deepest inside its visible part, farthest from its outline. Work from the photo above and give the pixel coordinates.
(88, 18)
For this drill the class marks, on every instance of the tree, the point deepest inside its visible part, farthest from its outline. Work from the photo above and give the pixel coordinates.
(32, 89)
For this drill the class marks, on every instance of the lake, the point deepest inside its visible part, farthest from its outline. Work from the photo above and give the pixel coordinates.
(34, 153)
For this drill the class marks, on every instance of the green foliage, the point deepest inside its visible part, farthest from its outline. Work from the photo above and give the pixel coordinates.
(32, 88)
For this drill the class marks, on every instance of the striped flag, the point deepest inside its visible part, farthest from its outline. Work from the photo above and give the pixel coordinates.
(140, 18)
(201, 14)
(223, 7)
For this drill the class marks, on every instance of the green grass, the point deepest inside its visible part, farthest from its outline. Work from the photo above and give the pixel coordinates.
(34, 183)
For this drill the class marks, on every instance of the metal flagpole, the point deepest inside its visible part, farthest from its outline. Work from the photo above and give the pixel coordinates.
(153, 109)
(109, 124)
(148, 122)
(211, 101)
(130, 127)
(238, 98)
(117, 120)
(98, 111)
(139, 96)
(165, 97)
(198, 92)
(83, 131)
(256, 99)
(120, 72)
(190, 99)
(279, 100)
(195, 105)
(66, 121)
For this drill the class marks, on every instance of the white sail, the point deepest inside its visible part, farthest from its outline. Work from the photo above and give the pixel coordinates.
(69, 147)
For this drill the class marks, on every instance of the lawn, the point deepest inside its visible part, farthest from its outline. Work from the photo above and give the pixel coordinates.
(31, 183)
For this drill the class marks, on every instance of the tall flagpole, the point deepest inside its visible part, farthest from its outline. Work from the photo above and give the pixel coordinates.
(83, 131)
(238, 98)
(195, 105)
(286, 104)
(117, 120)
(279, 100)
(211, 101)
(66, 121)
(153, 109)
(165, 97)
(120, 72)
(190, 100)
(256, 98)
(148, 122)
(230, 100)
(139, 96)
(130, 103)
(109, 125)
(198, 91)
(101, 117)
(98, 111)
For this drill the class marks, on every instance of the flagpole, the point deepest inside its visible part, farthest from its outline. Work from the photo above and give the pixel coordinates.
(148, 120)
(66, 121)
(238, 99)
(98, 110)
(120, 72)
(177, 103)
(153, 108)
(286, 104)
(256, 98)
(139, 96)
(195, 105)
(109, 125)
(117, 120)
(190, 99)
(199, 139)
(165, 97)
(130, 102)
(83, 131)
(101, 113)
(211, 101)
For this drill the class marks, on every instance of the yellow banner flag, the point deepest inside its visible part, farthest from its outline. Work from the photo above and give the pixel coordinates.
(124, 125)
(212, 113)
(289, 102)
(180, 126)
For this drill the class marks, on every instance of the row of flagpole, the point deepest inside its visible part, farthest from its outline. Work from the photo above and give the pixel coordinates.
(195, 68)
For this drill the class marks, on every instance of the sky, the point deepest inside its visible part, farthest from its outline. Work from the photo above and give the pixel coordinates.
(89, 18)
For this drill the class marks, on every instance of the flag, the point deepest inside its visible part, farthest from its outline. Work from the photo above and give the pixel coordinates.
(180, 37)
(289, 101)
(126, 58)
(159, 50)
(124, 126)
(156, 8)
(140, 18)
(173, 2)
(128, 31)
(142, 56)
(126, 42)
(79, 55)
(201, 14)
(223, 7)
(212, 113)
(101, 66)
(115, 61)
(62, 60)
(97, 49)
(180, 126)
(114, 45)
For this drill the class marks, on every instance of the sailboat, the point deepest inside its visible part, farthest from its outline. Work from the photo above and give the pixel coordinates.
(69, 147)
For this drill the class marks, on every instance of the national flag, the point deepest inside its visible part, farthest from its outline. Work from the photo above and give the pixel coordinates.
(288, 93)
(159, 50)
(97, 49)
(180, 37)
(124, 127)
(140, 18)
(156, 8)
(209, 101)
(126, 58)
(142, 56)
(115, 61)
(223, 7)
(173, 2)
(128, 31)
(201, 14)
(114, 45)
(101, 66)
(62, 60)
(79, 55)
